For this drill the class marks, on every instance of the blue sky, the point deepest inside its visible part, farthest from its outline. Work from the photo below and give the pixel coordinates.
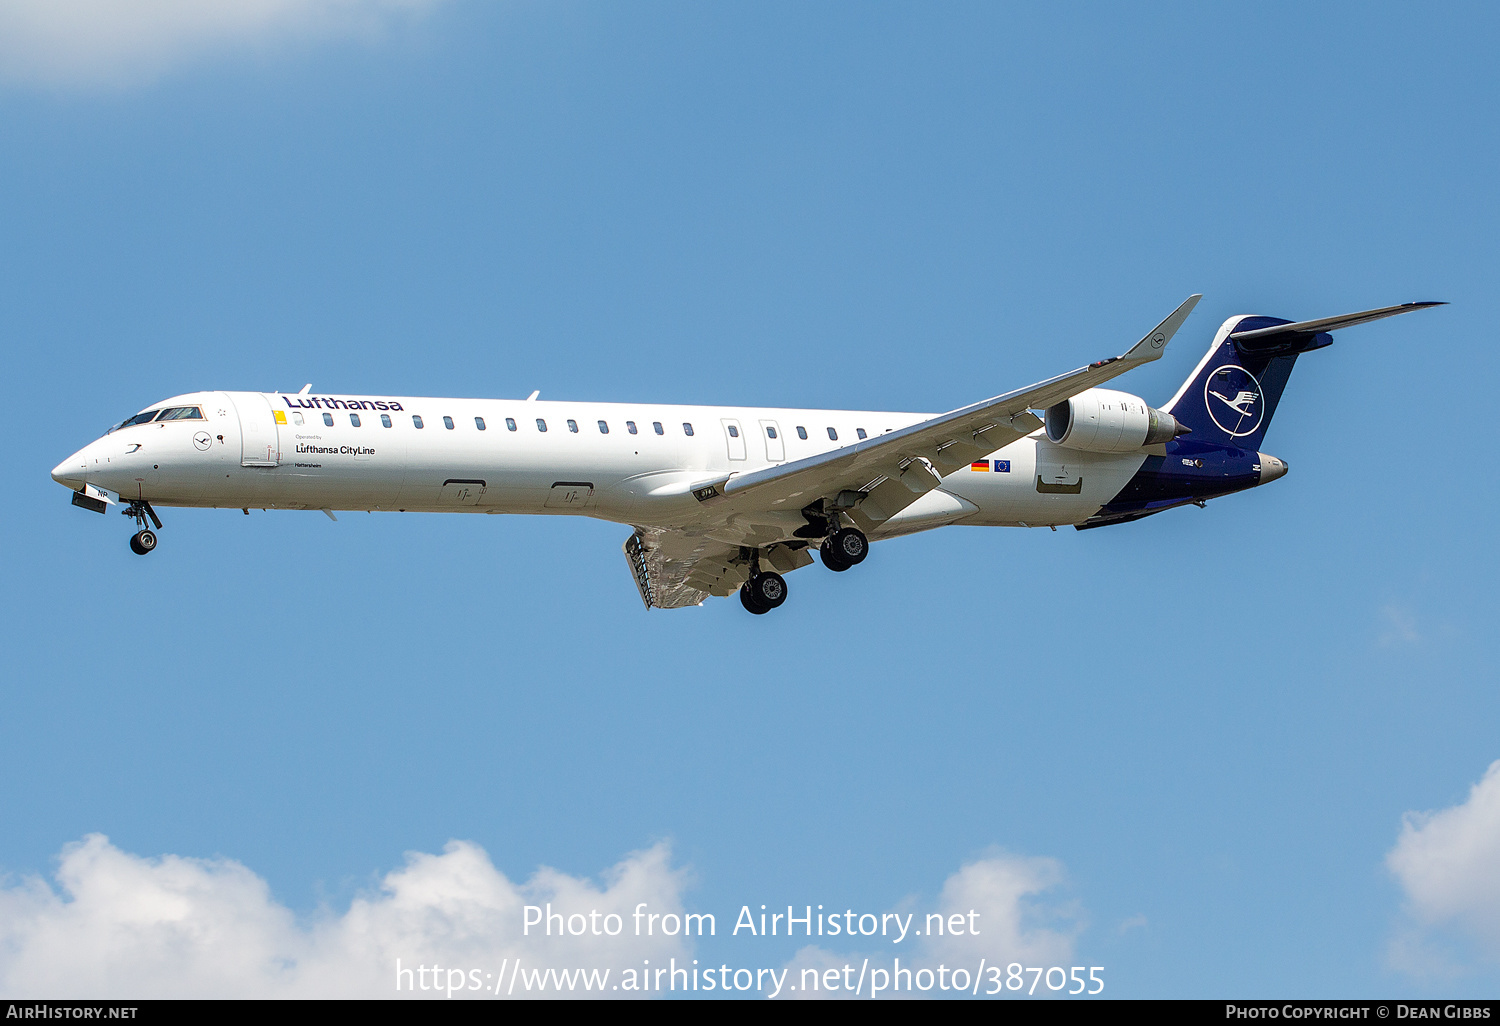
(1211, 722)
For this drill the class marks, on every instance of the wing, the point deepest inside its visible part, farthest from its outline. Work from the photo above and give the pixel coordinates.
(871, 481)
(875, 479)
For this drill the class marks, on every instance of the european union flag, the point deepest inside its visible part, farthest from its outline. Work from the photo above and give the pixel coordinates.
(1002, 466)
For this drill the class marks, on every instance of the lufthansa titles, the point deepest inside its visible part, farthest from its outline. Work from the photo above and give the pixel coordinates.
(335, 450)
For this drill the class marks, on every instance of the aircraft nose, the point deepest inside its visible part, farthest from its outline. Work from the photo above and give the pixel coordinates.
(70, 471)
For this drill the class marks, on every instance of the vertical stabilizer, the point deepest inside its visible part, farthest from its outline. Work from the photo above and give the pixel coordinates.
(1231, 396)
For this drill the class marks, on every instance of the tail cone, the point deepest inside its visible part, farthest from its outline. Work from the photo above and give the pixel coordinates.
(1271, 468)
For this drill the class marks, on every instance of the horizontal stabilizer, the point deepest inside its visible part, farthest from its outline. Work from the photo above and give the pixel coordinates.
(1286, 335)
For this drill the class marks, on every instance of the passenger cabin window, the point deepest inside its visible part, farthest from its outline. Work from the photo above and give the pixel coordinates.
(541, 425)
(861, 432)
(603, 428)
(802, 432)
(448, 423)
(573, 425)
(656, 426)
(734, 432)
(770, 432)
(416, 422)
(354, 419)
(510, 423)
(297, 418)
(687, 429)
(181, 413)
(385, 420)
(479, 423)
(833, 436)
(630, 426)
(328, 420)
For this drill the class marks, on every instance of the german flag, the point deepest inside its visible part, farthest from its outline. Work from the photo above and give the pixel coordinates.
(982, 466)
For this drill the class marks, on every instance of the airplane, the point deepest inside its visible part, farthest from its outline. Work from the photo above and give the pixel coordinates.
(727, 500)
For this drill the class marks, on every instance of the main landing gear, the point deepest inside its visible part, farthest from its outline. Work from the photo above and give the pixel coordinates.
(844, 548)
(144, 540)
(763, 592)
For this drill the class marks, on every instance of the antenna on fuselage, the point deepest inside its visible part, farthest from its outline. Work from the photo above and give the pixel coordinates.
(532, 397)
(306, 388)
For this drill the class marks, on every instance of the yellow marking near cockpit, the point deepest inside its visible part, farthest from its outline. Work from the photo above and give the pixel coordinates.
(280, 417)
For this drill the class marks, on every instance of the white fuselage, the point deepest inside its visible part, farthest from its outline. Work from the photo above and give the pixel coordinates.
(280, 451)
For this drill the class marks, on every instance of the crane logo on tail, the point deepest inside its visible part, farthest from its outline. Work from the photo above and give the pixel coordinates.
(1240, 404)
(1232, 397)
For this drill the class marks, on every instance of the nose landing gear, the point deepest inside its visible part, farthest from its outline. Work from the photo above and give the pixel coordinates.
(144, 540)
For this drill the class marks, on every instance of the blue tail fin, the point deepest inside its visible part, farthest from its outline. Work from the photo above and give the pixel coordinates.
(1232, 395)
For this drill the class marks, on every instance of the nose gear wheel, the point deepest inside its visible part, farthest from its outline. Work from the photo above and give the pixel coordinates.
(144, 540)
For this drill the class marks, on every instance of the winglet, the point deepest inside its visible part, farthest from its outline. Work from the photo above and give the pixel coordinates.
(1155, 343)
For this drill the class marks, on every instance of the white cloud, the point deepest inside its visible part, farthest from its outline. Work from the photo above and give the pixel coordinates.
(118, 925)
(1448, 865)
(1017, 921)
(126, 926)
(121, 42)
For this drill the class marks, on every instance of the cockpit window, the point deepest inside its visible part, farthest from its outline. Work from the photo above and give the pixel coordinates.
(181, 413)
(139, 418)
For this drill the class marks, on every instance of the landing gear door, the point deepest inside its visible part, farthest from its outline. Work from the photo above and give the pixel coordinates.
(260, 442)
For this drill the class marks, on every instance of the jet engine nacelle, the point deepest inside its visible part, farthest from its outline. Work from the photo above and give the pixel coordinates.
(1103, 420)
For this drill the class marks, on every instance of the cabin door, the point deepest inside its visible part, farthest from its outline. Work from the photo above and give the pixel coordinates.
(260, 444)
